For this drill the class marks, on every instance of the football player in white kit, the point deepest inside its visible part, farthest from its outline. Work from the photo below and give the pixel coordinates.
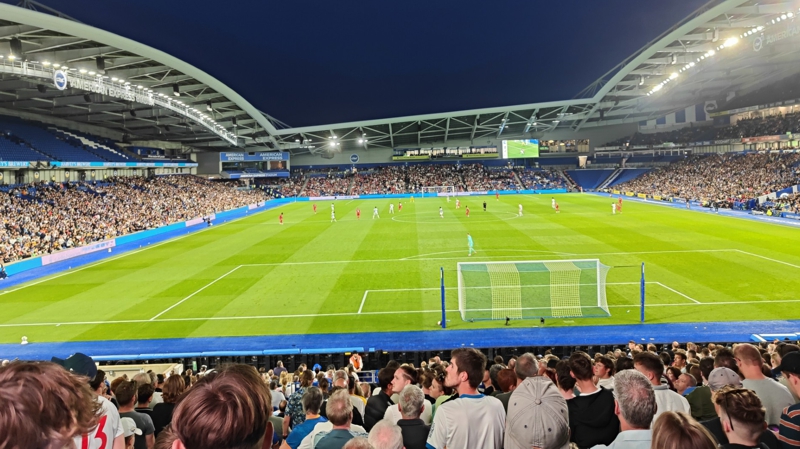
(441, 212)
(520, 210)
(375, 213)
(391, 208)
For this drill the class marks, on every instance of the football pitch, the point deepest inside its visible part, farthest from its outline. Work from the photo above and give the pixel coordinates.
(254, 276)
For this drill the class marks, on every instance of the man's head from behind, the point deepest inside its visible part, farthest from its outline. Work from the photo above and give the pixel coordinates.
(635, 399)
(412, 400)
(741, 413)
(312, 400)
(339, 408)
(526, 366)
(747, 357)
(386, 435)
(227, 409)
(126, 393)
(650, 365)
(43, 406)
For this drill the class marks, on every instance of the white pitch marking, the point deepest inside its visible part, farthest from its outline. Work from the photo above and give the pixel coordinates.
(363, 300)
(767, 258)
(198, 291)
(491, 251)
(679, 293)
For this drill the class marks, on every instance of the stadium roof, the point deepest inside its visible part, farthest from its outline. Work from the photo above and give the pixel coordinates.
(137, 95)
(705, 56)
(709, 53)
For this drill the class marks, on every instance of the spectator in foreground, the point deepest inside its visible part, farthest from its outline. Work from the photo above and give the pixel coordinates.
(790, 418)
(227, 409)
(162, 413)
(537, 416)
(378, 403)
(294, 408)
(126, 394)
(591, 415)
(340, 415)
(405, 375)
(604, 371)
(635, 406)
(387, 435)
(774, 396)
(652, 367)
(312, 403)
(471, 420)
(680, 431)
(414, 430)
(742, 419)
(44, 406)
(525, 366)
(699, 399)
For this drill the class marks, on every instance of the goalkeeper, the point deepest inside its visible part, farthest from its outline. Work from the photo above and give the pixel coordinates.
(471, 245)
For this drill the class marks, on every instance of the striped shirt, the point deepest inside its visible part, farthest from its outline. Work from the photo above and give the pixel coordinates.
(790, 427)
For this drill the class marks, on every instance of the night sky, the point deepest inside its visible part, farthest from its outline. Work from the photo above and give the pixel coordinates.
(312, 62)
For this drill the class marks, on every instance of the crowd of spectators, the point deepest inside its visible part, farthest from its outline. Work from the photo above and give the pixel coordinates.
(380, 181)
(748, 127)
(679, 396)
(333, 185)
(721, 178)
(47, 217)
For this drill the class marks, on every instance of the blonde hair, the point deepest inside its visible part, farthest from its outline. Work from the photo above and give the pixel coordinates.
(678, 430)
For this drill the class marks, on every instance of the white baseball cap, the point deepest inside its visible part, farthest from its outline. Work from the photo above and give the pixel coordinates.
(129, 427)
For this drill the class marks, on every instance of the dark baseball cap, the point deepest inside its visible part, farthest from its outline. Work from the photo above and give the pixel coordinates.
(78, 364)
(790, 363)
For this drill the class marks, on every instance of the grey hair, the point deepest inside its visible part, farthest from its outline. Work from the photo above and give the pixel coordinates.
(386, 435)
(526, 366)
(636, 398)
(142, 379)
(358, 443)
(493, 370)
(339, 408)
(411, 400)
(312, 400)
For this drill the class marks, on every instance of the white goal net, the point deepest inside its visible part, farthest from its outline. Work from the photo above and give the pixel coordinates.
(532, 289)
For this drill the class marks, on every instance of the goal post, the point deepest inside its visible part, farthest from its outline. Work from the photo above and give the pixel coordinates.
(532, 289)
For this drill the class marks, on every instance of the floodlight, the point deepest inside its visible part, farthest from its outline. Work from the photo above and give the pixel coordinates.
(82, 71)
(93, 73)
(176, 90)
(673, 76)
(46, 63)
(731, 42)
(783, 16)
(115, 79)
(16, 48)
(208, 107)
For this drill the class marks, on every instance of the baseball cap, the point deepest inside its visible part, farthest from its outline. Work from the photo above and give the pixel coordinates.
(790, 363)
(129, 427)
(719, 377)
(537, 416)
(317, 366)
(79, 364)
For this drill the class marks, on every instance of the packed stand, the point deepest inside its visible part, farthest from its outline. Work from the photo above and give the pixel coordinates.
(380, 181)
(424, 175)
(639, 396)
(721, 178)
(332, 185)
(42, 219)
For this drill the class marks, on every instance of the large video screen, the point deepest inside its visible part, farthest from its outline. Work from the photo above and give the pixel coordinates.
(517, 149)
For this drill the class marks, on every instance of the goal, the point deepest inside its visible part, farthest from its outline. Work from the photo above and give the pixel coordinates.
(440, 190)
(532, 289)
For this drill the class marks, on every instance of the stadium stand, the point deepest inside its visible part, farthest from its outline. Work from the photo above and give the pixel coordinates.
(726, 179)
(44, 219)
(589, 179)
(628, 174)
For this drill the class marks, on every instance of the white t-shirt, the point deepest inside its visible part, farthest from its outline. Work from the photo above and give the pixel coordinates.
(470, 421)
(668, 400)
(393, 413)
(109, 427)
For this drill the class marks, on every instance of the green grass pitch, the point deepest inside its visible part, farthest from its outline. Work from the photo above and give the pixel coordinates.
(254, 276)
(517, 149)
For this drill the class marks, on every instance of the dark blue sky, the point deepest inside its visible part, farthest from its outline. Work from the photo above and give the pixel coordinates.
(313, 62)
